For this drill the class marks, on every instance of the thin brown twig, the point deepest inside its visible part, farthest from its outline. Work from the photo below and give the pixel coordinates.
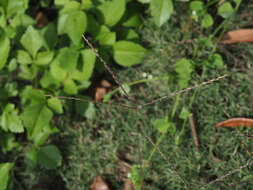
(193, 129)
(228, 174)
(184, 90)
(93, 101)
(106, 66)
(170, 165)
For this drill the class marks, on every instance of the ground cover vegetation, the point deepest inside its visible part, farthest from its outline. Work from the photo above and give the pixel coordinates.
(56, 135)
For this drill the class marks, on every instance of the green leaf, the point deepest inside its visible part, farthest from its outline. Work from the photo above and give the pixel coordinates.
(117, 7)
(34, 96)
(70, 87)
(128, 53)
(86, 4)
(226, 10)
(44, 58)
(12, 65)
(68, 59)
(136, 176)
(162, 125)
(207, 21)
(30, 157)
(16, 6)
(4, 50)
(88, 59)
(216, 60)
(85, 109)
(56, 105)
(35, 117)
(144, 1)
(42, 136)
(196, 6)
(237, 2)
(10, 120)
(57, 71)
(48, 81)
(128, 34)
(72, 17)
(161, 11)
(49, 157)
(184, 69)
(4, 174)
(105, 37)
(61, 2)
(8, 143)
(184, 114)
(31, 40)
(49, 35)
(24, 57)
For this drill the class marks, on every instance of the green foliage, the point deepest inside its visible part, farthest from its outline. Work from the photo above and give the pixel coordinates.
(4, 174)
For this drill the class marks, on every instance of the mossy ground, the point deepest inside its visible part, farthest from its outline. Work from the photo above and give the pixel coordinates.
(116, 135)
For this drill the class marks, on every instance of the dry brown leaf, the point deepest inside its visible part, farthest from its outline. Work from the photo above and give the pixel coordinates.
(236, 36)
(100, 92)
(128, 185)
(105, 83)
(99, 184)
(41, 19)
(236, 122)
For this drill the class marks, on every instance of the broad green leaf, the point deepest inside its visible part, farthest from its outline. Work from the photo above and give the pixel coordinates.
(67, 58)
(161, 11)
(61, 2)
(4, 174)
(105, 37)
(44, 58)
(86, 4)
(31, 40)
(49, 157)
(70, 87)
(162, 125)
(30, 157)
(196, 6)
(16, 6)
(57, 71)
(24, 57)
(4, 50)
(226, 10)
(128, 53)
(43, 135)
(216, 60)
(35, 118)
(23, 20)
(10, 120)
(93, 27)
(76, 25)
(144, 1)
(89, 59)
(48, 81)
(55, 104)
(184, 114)
(207, 21)
(34, 96)
(133, 21)
(184, 69)
(112, 11)
(85, 109)
(72, 21)
(128, 34)
(8, 143)
(12, 65)
(49, 35)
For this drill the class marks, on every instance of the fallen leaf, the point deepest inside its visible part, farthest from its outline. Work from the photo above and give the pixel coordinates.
(41, 19)
(99, 184)
(236, 122)
(105, 84)
(128, 185)
(237, 36)
(100, 92)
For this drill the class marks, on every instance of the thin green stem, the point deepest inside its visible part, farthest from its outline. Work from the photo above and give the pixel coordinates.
(175, 106)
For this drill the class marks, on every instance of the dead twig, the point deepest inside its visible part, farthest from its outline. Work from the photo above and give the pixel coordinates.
(194, 133)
